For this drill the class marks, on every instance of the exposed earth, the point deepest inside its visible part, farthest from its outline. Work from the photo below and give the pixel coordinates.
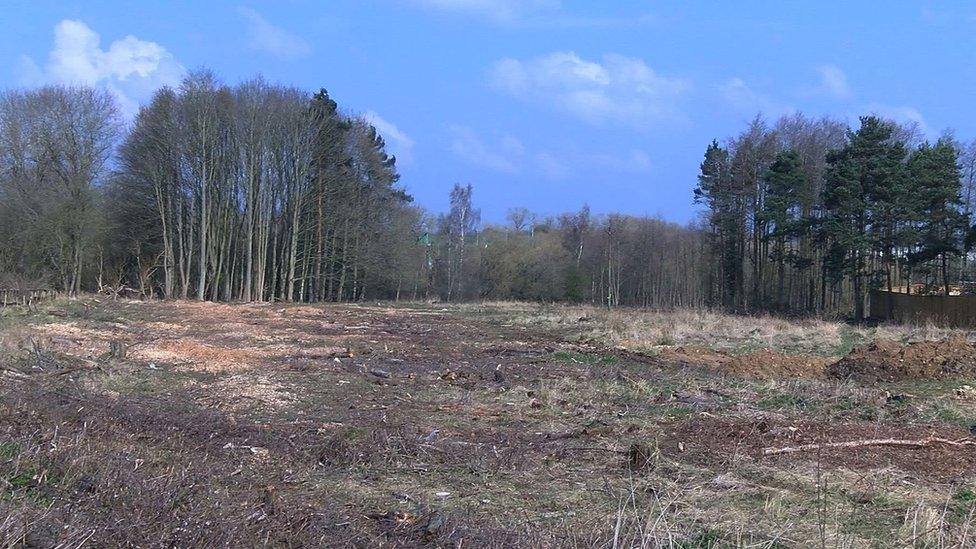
(200, 424)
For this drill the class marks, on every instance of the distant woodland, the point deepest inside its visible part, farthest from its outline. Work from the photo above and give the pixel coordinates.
(261, 192)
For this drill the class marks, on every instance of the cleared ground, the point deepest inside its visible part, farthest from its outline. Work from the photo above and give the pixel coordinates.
(189, 424)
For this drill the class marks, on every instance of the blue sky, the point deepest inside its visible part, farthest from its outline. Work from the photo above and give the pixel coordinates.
(546, 104)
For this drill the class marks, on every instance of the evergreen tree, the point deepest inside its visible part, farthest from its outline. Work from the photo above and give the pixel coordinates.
(782, 214)
(937, 206)
(863, 193)
(726, 217)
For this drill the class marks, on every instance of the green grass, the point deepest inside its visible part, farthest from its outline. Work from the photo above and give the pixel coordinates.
(9, 450)
(849, 338)
(13, 316)
(22, 480)
(25, 483)
(781, 401)
(708, 538)
(965, 495)
(951, 413)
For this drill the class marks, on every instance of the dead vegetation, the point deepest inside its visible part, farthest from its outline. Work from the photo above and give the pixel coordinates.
(185, 424)
(640, 329)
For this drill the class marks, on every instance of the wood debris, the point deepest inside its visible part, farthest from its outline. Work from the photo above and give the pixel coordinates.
(913, 443)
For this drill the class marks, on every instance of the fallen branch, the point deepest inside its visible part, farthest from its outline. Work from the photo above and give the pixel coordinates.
(917, 443)
(19, 374)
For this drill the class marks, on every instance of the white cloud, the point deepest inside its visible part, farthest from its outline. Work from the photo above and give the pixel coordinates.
(272, 39)
(905, 115)
(737, 92)
(633, 162)
(497, 10)
(639, 161)
(619, 89)
(132, 69)
(743, 98)
(551, 166)
(833, 82)
(506, 155)
(509, 156)
(399, 142)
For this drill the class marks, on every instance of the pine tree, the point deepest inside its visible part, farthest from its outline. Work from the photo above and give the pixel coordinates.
(782, 214)
(863, 193)
(726, 217)
(940, 223)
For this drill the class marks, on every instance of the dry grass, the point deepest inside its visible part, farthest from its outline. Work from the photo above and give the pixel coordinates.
(490, 425)
(643, 330)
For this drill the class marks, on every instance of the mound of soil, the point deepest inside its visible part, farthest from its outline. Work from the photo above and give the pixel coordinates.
(765, 364)
(695, 356)
(886, 360)
(768, 364)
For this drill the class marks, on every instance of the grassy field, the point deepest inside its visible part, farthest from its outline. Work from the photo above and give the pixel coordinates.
(372, 425)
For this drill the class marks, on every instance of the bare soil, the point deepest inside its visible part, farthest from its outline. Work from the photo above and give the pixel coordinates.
(718, 440)
(419, 425)
(763, 364)
(885, 360)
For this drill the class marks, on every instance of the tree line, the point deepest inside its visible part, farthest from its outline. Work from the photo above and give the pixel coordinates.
(807, 215)
(576, 257)
(252, 192)
(263, 192)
